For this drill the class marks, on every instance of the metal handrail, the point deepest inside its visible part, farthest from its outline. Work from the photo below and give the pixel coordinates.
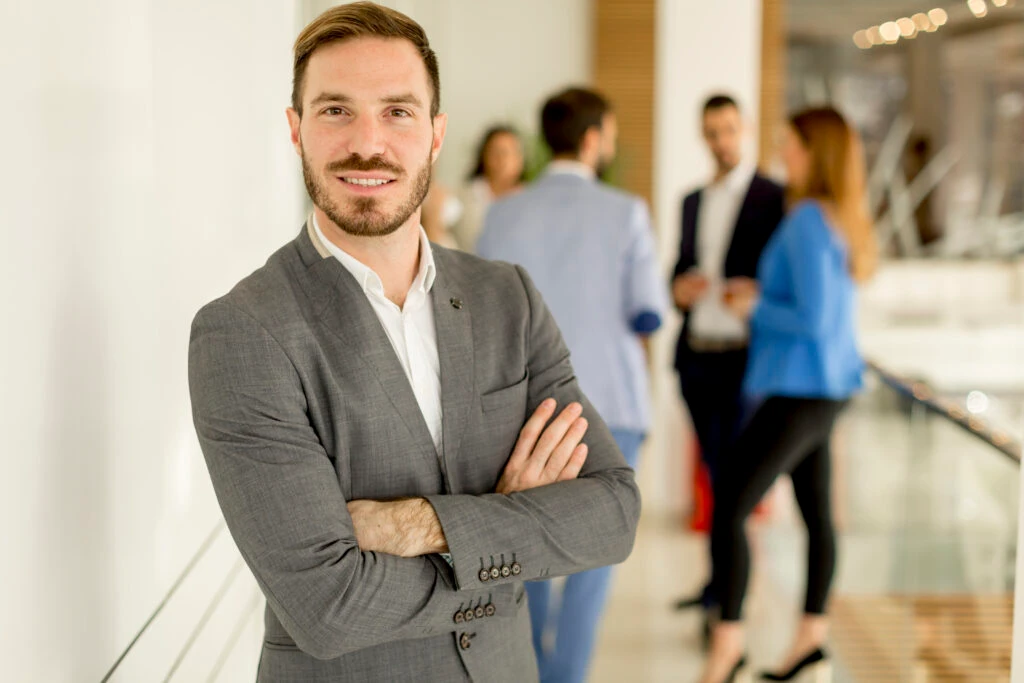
(920, 392)
(210, 538)
(205, 618)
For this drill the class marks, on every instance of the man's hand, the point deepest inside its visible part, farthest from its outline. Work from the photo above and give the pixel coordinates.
(688, 289)
(741, 295)
(545, 456)
(407, 528)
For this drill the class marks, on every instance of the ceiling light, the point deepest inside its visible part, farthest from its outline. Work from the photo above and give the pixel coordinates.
(938, 16)
(860, 39)
(999, 3)
(907, 28)
(977, 402)
(890, 31)
(978, 7)
(922, 22)
(875, 36)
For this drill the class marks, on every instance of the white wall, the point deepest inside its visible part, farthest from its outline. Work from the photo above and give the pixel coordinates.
(145, 169)
(702, 48)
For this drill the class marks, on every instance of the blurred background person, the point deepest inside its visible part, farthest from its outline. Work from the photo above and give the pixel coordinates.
(441, 210)
(805, 365)
(590, 250)
(725, 226)
(498, 171)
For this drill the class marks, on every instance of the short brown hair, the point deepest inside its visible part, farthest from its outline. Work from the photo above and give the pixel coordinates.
(719, 101)
(567, 117)
(358, 20)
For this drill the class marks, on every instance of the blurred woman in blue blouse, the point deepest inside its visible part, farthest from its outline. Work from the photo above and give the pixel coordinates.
(804, 366)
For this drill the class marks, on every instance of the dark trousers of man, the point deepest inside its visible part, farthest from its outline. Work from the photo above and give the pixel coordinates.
(712, 384)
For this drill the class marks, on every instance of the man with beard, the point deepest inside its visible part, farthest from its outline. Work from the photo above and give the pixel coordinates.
(393, 430)
(590, 249)
(724, 228)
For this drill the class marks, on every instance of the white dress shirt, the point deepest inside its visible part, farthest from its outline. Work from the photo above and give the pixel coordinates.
(720, 204)
(410, 329)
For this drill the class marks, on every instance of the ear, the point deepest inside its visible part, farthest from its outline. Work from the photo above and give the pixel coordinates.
(294, 121)
(590, 145)
(440, 128)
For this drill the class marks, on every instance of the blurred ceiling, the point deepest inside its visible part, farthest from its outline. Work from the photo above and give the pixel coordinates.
(827, 19)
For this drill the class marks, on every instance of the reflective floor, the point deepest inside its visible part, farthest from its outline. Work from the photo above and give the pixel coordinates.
(927, 521)
(876, 636)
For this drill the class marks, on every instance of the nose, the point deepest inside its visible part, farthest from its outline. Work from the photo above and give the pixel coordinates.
(367, 137)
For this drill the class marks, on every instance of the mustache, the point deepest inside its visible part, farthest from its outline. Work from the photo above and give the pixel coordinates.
(357, 163)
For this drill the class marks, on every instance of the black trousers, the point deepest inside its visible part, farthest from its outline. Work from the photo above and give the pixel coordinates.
(711, 384)
(784, 436)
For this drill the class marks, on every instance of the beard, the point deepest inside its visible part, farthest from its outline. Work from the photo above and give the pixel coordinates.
(364, 216)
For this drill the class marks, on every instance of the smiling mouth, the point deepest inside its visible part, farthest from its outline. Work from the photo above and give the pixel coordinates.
(367, 182)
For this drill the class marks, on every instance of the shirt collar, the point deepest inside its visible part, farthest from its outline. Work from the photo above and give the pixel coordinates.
(567, 166)
(736, 179)
(368, 280)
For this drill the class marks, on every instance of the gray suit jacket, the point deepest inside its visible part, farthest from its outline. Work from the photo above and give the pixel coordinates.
(301, 405)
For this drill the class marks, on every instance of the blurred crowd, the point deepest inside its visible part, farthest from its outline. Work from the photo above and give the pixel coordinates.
(767, 358)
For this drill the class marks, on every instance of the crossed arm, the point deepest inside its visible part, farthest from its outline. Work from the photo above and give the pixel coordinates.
(542, 456)
(327, 567)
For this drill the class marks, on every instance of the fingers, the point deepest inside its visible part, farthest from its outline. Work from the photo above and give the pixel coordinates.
(688, 288)
(741, 285)
(550, 438)
(564, 450)
(546, 453)
(697, 286)
(575, 464)
(530, 432)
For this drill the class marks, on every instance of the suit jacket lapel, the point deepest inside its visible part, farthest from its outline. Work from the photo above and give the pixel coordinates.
(454, 324)
(690, 228)
(342, 307)
(739, 238)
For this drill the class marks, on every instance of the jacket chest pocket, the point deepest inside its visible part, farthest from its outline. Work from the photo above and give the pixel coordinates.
(488, 443)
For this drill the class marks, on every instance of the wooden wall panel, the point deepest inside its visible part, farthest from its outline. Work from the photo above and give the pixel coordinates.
(623, 68)
(773, 78)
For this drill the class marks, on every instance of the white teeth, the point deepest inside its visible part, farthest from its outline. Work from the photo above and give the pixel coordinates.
(366, 182)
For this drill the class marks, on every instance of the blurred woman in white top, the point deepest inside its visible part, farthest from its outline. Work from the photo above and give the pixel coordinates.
(498, 171)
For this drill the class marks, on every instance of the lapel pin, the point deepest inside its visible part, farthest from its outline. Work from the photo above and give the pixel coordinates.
(456, 303)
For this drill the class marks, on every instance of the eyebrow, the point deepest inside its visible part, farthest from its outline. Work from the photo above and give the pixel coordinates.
(404, 98)
(325, 97)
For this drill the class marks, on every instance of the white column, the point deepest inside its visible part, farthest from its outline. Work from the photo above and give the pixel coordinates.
(703, 47)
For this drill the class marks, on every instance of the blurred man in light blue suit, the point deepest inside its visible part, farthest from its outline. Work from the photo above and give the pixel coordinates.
(590, 250)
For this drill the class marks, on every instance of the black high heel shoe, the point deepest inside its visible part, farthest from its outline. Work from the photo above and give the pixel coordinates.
(815, 665)
(739, 674)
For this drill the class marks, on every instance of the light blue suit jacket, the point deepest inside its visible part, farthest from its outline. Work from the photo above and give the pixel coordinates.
(590, 251)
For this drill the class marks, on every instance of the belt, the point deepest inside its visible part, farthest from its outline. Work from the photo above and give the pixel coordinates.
(711, 345)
